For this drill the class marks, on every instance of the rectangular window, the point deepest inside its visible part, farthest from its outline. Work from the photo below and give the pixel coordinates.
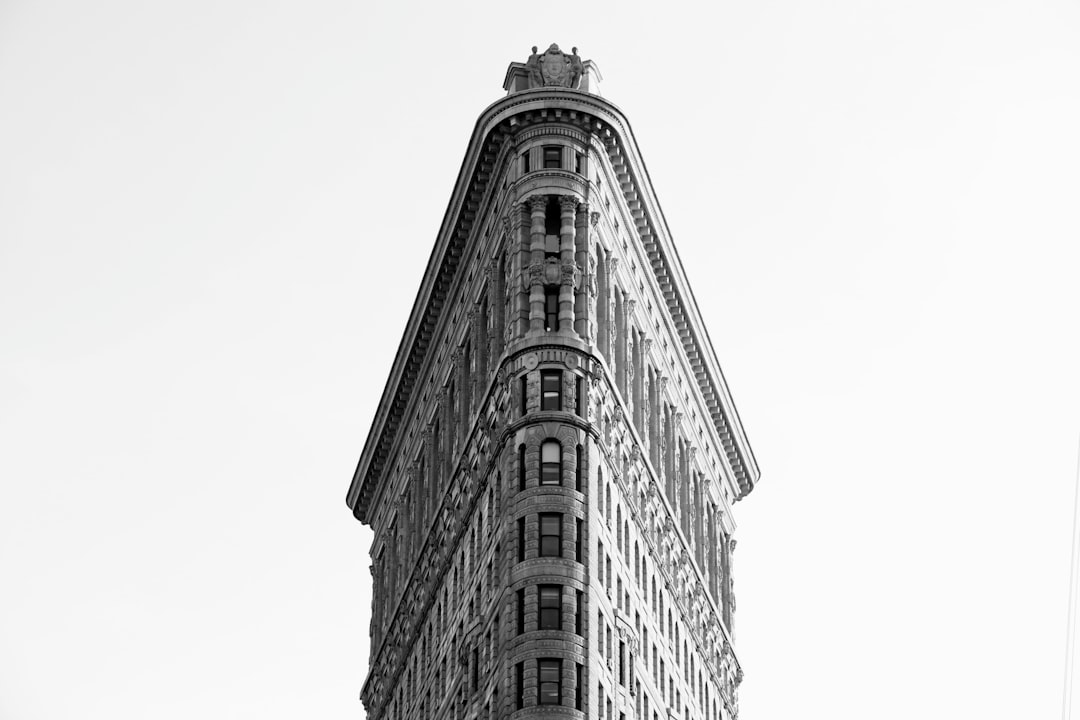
(521, 539)
(577, 163)
(521, 466)
(622, 663)
(579, 614)
(579, 690)
(521, 612)
(525, 162)
(599, 560)
(550, 676)
(580, 548)
(552, 157)
(579, 469)
(551, 390)
(550, 607)
(579, 400)
(550, 535)
(519, 671)
(524, 395)
(551, 307)
(550, 463)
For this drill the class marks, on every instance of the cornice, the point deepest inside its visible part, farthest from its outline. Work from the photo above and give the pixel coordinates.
(502, 118)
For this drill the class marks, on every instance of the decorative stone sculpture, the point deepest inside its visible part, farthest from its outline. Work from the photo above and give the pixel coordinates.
(533, 66)
(554, 68)
(576, 68)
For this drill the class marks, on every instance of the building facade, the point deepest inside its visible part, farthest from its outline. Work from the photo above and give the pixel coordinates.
(551, 470)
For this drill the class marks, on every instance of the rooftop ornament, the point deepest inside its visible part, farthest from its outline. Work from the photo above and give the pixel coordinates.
(553, 69)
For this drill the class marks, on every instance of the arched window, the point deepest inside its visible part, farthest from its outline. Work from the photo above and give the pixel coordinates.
(550, 463)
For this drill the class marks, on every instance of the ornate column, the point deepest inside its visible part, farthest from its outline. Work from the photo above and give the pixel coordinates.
(587, 285)
(535, 271)
(568, 264)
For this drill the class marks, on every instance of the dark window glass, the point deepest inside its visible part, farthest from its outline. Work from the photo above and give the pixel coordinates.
(550, 672)
(550, 463)
(524, 395)
(551, 308)
(579, 470)
(579, 401)
(579, 613)
(550, 535)
(521, 466)
(520, 683)
(580, 550)
(552, 156)
(520, 611)
(579, 693)
(521, 539)
(525, 161)
(577, 163)
(551, 390)
(550, 607)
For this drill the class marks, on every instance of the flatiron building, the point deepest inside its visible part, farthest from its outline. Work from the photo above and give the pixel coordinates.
(551, 470)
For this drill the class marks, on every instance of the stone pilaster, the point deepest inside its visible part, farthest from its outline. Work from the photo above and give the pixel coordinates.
(567, 261)
(535, 271)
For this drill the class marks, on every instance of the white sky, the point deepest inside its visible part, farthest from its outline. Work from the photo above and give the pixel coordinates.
(213, 220)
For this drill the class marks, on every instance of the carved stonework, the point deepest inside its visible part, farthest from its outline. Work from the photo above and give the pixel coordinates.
(554, 68)
(594, 218)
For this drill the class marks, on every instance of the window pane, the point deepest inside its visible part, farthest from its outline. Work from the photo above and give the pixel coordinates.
(549, 546)
(549, 524)
(552, 157)
(549, 474)
(549, 452)
(549, 619)
(550, 670)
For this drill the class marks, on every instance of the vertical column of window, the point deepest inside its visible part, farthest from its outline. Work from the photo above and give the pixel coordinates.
(523, 394)
(579, 550)
(579, 613)
(482, 345)
(638, 392)
(698, 517)
(579, 687)
(618, 352)
(521, 539)
(603, 304)
(653, 419)
(521, 611)
(497, 299)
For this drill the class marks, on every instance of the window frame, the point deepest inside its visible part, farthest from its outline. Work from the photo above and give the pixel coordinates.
(555, 394)
(542, 545)
(551, 472)
(552, 154)
(553, 665)
(549, 609)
